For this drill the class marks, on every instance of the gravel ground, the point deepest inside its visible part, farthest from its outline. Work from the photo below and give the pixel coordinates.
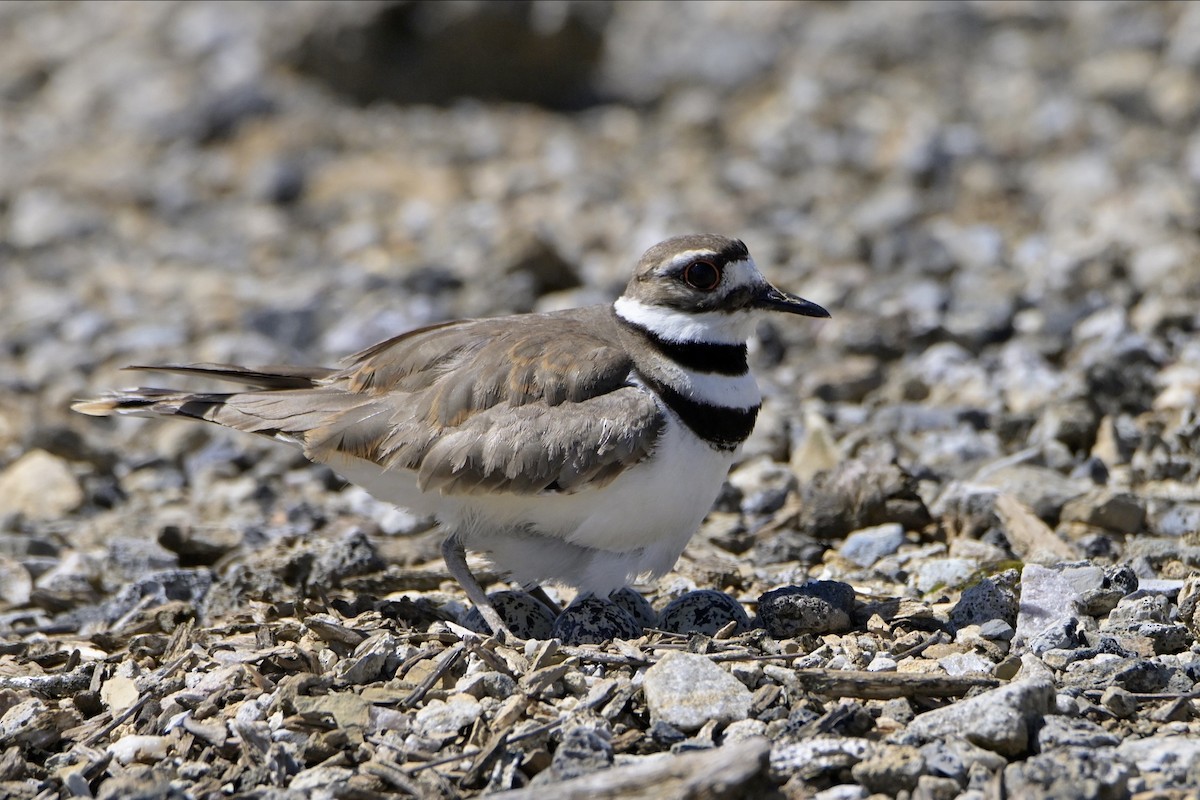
(958, 559)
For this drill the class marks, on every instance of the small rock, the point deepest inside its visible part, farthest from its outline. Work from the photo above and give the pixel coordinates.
(1136, 610)
(931, 787)
(41, 216)
(1042, 489)
(866, 546)
(743, 729)
(157, 588)
(943, 573)
(999, 720)
(1170, 760)
(1103, 508)
(1117, 582)
(1189, 604)
(845, 791)
(1049, 610)
(860, 493)
(586, 747)
(816, 607)
(1073, 772)
(1178, 519)
(148, 749)
(39, 485)
(991, 599)
(350, 710)
(441, 720)
(1060, 731)
(815, 448)
(1119, 701)
(703, 611)
(764, 485)
(966, 664)
(591, 620)
(819, 756)
(888, 768)
(119, 693)
(687, 690)
(200, 544)
(16, 584)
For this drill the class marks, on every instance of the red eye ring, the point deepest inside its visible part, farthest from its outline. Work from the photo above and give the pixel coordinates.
(702, 275)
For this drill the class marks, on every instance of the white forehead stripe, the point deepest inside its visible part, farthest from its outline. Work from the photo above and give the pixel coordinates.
(742, 272)
(711, 327)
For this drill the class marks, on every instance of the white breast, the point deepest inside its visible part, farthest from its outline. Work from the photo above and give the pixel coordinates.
(595, 540)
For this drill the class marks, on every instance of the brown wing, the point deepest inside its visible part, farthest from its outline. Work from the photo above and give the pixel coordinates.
(519, 405)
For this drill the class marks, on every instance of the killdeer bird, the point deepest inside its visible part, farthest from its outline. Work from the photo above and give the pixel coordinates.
(582, 447)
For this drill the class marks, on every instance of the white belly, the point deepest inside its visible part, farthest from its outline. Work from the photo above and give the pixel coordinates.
(595, 540)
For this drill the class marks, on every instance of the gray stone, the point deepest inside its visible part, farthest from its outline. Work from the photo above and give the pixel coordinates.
(442, 720)
(1166, 761)
(991, 599)
(930, 787)
(997, 629)
(1121, 512)
(1070, 773)
(1049, 610)
(200, 544)
(39, 486)
(687, 690)
(41, 216)
(845, 791)
(1042, 489)
(943, 573)
(966, 664)
(1136, 610)
(1179, 519)
(1000, 720)
(586, 747)
(1060, 731)
(866, 546)
(816, 757)
(16, 584)
(889, 767)
(189, 586)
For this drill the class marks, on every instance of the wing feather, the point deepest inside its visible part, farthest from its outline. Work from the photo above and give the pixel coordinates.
(518, 405)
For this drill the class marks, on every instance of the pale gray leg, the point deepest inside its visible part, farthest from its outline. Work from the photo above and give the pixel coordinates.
(455, 556)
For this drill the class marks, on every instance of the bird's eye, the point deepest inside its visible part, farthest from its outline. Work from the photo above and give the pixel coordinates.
(702, 275)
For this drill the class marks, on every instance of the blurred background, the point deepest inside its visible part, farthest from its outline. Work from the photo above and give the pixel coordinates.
(998, 201)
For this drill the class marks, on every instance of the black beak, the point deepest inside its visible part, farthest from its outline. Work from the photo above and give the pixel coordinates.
(771, 299)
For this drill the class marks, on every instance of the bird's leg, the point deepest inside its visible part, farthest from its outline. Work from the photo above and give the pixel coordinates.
(455, 556)
(539, 594)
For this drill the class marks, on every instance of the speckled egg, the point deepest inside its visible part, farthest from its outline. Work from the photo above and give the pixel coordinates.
(817, 607)
(591, 620)
(522, 613)
(638, 607)
(703, 611)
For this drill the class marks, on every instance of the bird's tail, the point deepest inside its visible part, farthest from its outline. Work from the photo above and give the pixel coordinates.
(268, 408)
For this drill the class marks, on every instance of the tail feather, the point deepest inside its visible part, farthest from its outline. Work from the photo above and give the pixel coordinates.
(272, 377)
(143, 402)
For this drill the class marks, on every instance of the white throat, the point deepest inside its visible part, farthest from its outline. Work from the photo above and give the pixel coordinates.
(708, 327)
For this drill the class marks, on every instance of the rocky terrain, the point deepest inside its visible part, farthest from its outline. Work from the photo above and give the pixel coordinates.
(958, 559)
